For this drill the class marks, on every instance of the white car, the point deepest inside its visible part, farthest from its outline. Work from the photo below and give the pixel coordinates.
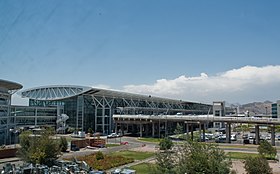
(113, 135)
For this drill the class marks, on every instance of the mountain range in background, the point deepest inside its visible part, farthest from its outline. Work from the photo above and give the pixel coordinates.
(254, 108)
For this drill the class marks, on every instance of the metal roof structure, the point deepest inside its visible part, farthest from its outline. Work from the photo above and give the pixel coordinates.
(127, 95)
(54, 92)
(62, 92)
(10, 85)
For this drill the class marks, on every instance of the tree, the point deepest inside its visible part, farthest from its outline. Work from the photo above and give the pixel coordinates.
(165, 144)
(178, 130)
(63, 144)
(90, 130)
(266, 149)
(193, 157)
(164, 164)
(244, 128)
(257, 164)
(39, 148)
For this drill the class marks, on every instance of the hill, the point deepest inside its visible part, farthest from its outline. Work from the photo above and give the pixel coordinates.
(255, 108)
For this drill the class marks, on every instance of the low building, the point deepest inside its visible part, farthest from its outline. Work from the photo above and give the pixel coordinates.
(275, 109)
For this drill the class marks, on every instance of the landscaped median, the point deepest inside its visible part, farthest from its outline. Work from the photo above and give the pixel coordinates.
(100, 161)
(244, 155)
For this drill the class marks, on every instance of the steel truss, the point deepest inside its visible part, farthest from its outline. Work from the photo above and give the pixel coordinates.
(106, 106)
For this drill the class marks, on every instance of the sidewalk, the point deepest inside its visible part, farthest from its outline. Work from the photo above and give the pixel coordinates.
(8, 160)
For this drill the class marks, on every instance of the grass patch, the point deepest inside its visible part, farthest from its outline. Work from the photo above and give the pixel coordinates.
(133, 154)
(112, 145)
(237, 146)
(142, 168)
(241, 155)
(151, 140)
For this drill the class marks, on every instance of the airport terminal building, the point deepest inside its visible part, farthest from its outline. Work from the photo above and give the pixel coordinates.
(93, 108)
(84, 107)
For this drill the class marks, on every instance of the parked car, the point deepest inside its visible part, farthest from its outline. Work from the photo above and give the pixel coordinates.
(113, 135)
(245, 136)
(233, 137)
(221, 139)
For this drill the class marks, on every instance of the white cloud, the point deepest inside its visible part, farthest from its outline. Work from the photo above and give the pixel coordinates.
(245, 84)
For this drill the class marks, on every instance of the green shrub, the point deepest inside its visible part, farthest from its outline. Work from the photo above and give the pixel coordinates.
(63, 144)
(266, 149)
(259, 164)
(165, 144)
(99, 155)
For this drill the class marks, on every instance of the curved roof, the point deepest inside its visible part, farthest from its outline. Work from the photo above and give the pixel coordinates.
(54, 92)
(10, 85)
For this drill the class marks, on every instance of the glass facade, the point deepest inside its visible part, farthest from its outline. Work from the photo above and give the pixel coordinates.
(5, 101)
(94, 108)
(25, 116)
(274, 110)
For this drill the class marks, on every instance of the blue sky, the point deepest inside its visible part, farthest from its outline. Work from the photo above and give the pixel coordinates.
(134, 45)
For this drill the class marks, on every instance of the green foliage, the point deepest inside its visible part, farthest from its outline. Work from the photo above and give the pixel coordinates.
(63, 144)
(257, 164)
(90, 130)
(142, 168)
(38, 148)
(106, 163)
(193, 157)
(277, 128)
(99, 155)
(266, 149)
(165, 144)
(164, 163)
(178, 130)
(241, 155)
(70, 130)
(243, 128)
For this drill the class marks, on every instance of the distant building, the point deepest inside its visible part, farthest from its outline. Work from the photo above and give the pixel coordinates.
(7, 88)
(275, 109)
(219, 110)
